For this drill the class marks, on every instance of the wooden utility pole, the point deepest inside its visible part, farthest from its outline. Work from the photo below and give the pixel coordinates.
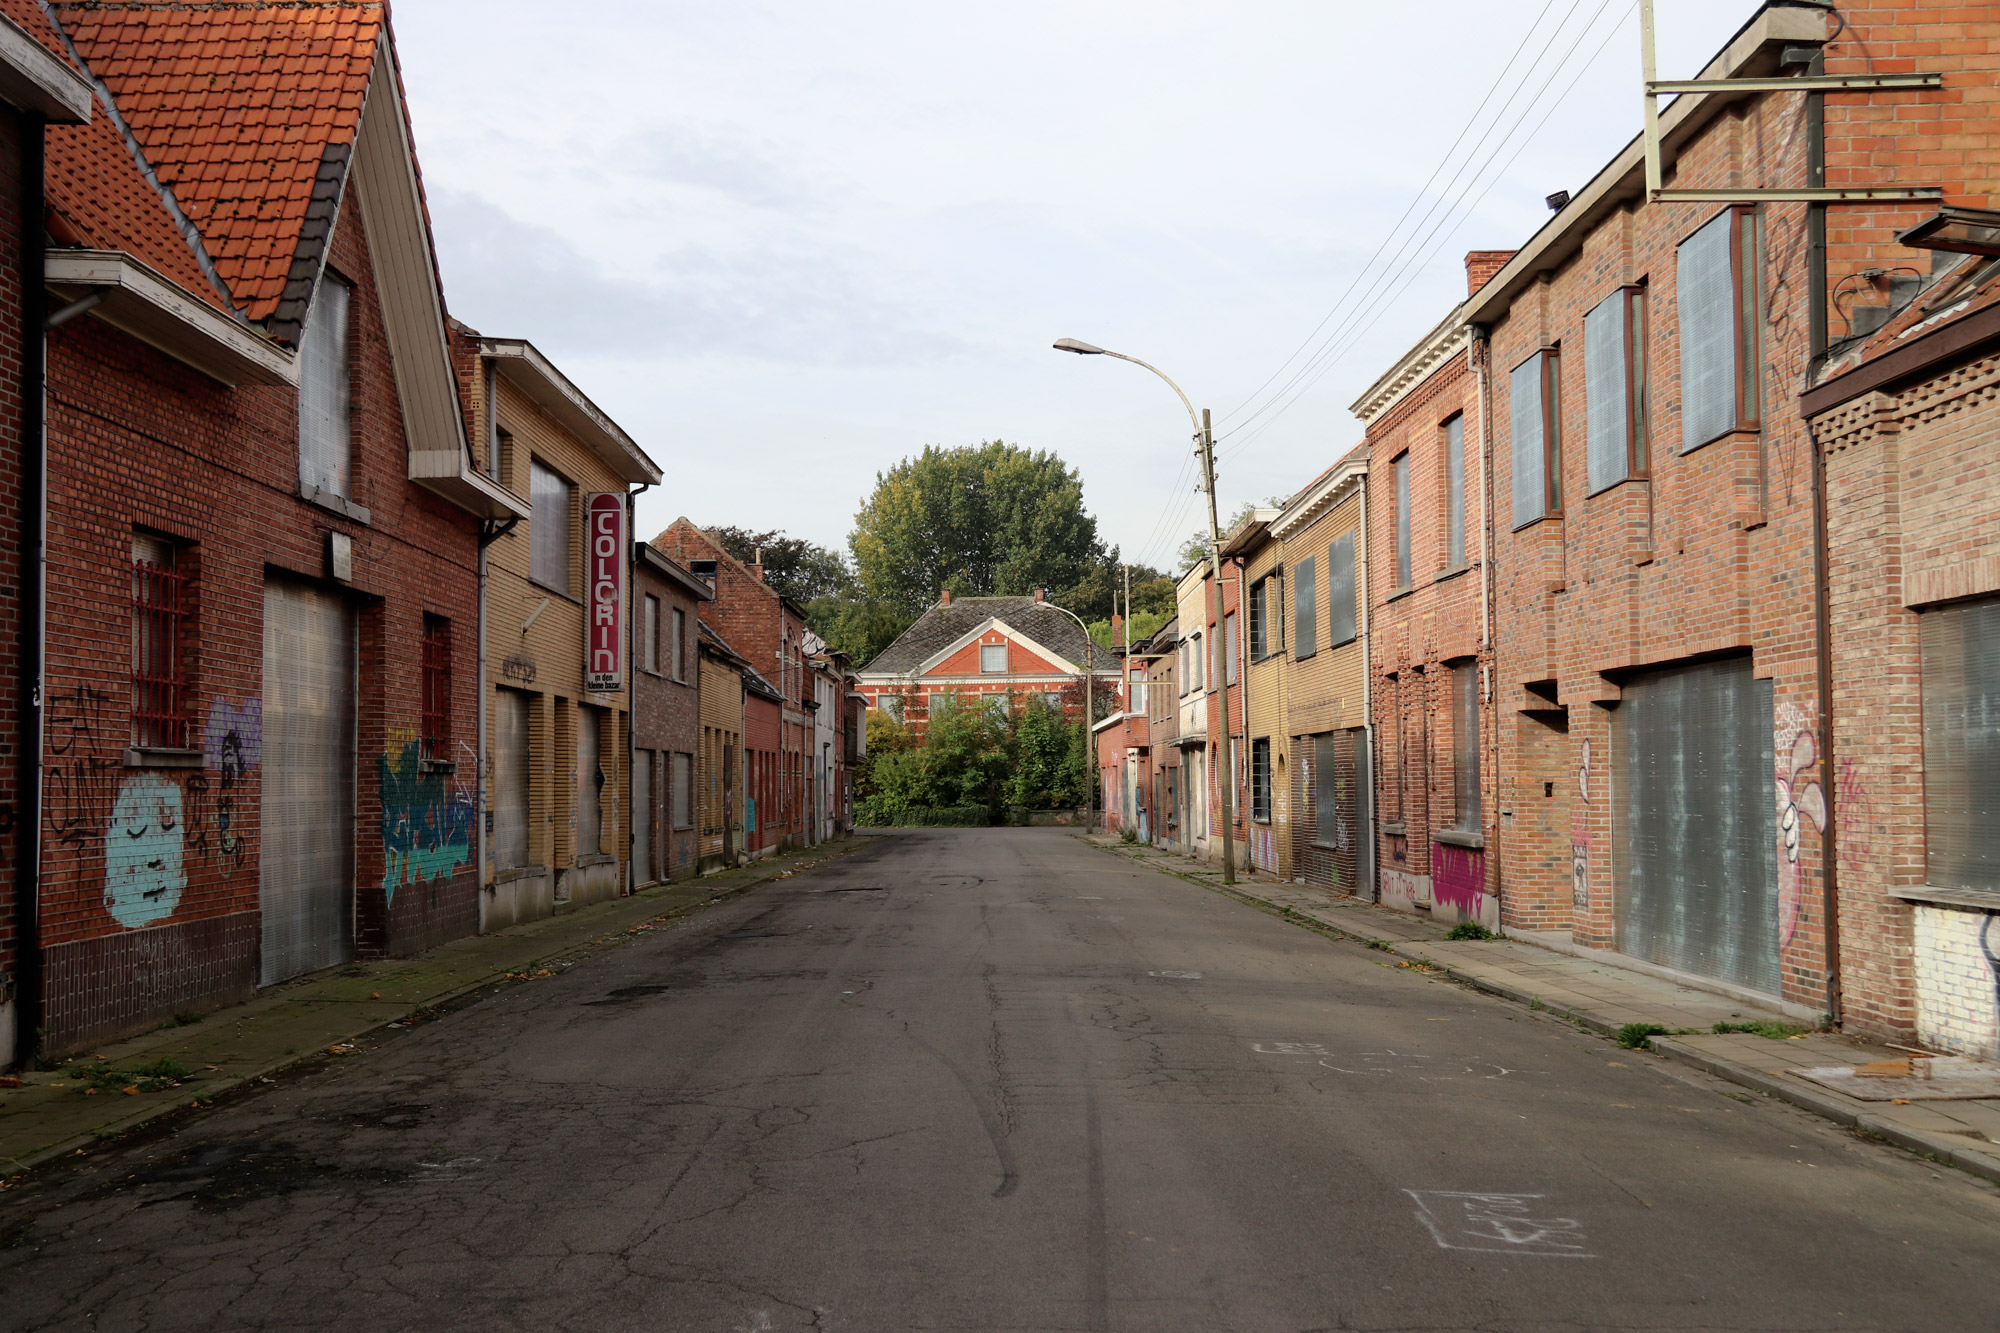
(1219, 651)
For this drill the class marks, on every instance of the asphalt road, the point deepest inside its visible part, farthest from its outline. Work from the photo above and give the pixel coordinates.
(998, 1080)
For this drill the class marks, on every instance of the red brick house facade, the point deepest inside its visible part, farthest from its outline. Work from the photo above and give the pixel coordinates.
(666, 716)
(261, 776)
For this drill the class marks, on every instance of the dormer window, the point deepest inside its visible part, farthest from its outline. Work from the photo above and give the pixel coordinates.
(326, 426)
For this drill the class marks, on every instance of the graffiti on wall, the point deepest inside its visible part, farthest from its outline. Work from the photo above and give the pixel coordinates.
(79, 785)
(143, 873)
(1458, 878)
(1579, 838)
(426, 821)
(232, 745)
(1956, 971)
(1799, 800)
(1854, 814)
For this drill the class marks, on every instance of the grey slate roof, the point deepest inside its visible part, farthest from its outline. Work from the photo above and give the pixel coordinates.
(942, 626)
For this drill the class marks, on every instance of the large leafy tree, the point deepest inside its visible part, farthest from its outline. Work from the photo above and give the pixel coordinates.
(982, 520)
(797, 568)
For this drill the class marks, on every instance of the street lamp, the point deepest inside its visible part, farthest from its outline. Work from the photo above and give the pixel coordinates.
(1205, 447)
(1089, 697)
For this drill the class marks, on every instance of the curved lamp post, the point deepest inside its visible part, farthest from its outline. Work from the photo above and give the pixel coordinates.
(1089, 698)
(1205, 447)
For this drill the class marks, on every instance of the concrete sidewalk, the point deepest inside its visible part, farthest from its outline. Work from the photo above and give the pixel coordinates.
(1601, 995)
(61, 1111)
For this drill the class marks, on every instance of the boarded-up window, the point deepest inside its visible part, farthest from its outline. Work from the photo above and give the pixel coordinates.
(1614, 372)
(589, 781)
(1326, 802)
(1465, 745)
(1961, 683)
(1229, 650)
(1400, 470)
(680, 644)
(1305, 609)
(548, 528)
(510, 780)
(1340, 615)
(1537, 444)
(1717, 291)
(326, 429)
(683, 793)
(1454, 487)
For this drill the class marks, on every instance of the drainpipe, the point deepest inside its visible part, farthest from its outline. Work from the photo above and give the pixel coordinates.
(1479, 351)
(34, 515)
(1368, 698)
(485, 805)
(632, 699)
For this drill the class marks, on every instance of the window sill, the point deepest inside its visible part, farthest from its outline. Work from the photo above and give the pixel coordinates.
(1989, 899)
(682, 828)
(332, 503)
(1734, 433)
(1395, 831)
(554, 591)
(151, 756)
(512, 873)
(1555, 517)
(595, 859)
(1452, 573)
(1397, 594)
(1452, 837)
(1608, 487)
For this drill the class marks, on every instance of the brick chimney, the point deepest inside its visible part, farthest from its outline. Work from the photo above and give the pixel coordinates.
(1041, 594)
(944, 597)
(756, 566)
(1480, 265)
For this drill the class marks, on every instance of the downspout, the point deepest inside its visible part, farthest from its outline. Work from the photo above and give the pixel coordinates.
(1242, 697)
(1368, 699)
(480, 847)
(1822, 600)
(632, 700)
(34, 516)
(1479, 351)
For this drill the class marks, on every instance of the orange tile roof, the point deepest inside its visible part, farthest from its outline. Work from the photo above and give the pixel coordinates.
(95, 194)
(235, 107)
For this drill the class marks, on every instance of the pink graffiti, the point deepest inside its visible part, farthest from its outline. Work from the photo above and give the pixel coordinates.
(1797, 802)
(1458, 878)
(1855, 815)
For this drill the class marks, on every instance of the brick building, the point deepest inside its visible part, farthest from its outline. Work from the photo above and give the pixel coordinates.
(666, 716)
(719, 763)
(1158, 654)
(770, 632)
(559, 775)
(1256, 562)
(264, 611)
(1123, 744)
(987, 647)
(37, 89)
(1905, 424)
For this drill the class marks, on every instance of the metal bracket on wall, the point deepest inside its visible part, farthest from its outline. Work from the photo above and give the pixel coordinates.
(493, 529)
(1800, 83)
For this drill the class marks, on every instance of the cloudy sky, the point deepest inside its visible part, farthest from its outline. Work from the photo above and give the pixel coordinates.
(788, 244)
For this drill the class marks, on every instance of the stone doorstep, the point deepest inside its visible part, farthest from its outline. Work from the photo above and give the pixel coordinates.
(1741, 1058)
(304, 1015)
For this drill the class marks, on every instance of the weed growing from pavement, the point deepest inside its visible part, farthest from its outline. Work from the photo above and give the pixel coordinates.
(185, 1018)
(1469, 930)
(1633, 1036)
(1535, 1003)
(1774, 1031)
(164, 1072)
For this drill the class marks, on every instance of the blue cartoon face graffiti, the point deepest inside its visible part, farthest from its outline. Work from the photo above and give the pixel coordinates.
(143, 878)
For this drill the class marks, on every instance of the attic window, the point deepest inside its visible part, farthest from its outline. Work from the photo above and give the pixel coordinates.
(326, 432)
(993, 659)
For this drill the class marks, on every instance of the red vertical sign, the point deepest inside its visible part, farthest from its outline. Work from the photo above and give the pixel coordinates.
(604, 606)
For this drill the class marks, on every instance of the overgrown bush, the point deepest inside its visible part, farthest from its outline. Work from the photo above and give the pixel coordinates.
(1026, 755)
(878, 813)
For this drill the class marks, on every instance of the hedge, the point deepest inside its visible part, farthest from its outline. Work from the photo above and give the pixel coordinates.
(875, 814)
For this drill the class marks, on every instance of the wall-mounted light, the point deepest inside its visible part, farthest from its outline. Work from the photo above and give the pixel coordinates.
(1972, 231)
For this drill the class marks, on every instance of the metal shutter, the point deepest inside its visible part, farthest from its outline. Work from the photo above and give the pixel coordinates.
(1695, 823)
(307, 866)
(1340, 618)
(1607, 404)
(642, 817)
(1961, 675)
(510, 780)
(1706, 290)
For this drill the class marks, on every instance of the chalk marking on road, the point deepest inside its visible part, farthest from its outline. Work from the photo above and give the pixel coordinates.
(1498, 1224)
(1178, 976)
(1290, 1048)
(1378, 1065)
(1089, 898)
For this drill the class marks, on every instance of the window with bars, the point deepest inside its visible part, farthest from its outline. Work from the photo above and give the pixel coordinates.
(435, 743)
(1614, 387)
(1535, 419)
(1267, 617)
(159, 681)
(1260, 780)
(1717, 290)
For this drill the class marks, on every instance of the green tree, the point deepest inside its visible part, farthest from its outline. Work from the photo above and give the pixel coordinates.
(1195, 549)
(797, 568)
(982, 520)
(1047, 770)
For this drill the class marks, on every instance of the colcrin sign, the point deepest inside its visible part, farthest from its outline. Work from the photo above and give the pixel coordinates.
(604, 607)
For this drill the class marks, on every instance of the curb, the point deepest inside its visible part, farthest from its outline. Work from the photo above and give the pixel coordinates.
(1935, 1146)
(210, 1093)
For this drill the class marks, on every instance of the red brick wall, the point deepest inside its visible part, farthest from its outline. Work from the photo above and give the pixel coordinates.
(13, 661)
(666, 716)
(136, 439)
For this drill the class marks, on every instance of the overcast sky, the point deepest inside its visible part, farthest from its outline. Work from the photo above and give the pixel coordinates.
(786, 245)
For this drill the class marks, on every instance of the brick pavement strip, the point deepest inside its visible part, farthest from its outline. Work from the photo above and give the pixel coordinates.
(1599, 995)
(302, 1020)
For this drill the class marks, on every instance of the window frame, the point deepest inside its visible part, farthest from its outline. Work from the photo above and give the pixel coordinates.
(1405, 572)
(160, 677)
(1952, 637)
(338, 479)
(1260, 647)
(1000, 670)
(1549, 401)
(1467, 799)
(1231, 653)
(649, 624)
(680, 645)
(1746, 263)
(1260, 780)
(1344, 544)
(1305, 609)
(1455, 546)
(538, 545)
(434, 728)
(1637, 391)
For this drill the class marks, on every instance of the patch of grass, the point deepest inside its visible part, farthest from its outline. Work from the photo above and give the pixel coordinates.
(1774, 1031)
(1383, 945)
(185, 1018)
(1469, 930)
(1633, 1036)
(1535, 1003)
(164, 1072)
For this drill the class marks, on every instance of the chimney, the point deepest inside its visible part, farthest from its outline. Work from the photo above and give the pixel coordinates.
(1481, 265)
(944, 597)
(1041, 594)
(757, 566)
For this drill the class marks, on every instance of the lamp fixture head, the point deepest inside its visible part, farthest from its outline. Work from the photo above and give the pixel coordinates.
(1080, 348)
